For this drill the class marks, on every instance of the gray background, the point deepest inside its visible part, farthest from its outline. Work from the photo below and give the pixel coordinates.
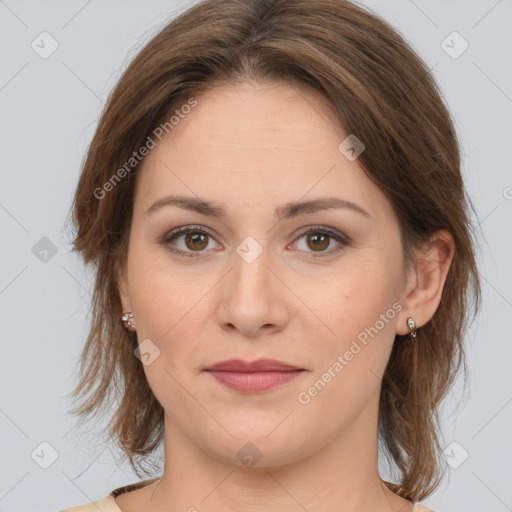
(49, 108)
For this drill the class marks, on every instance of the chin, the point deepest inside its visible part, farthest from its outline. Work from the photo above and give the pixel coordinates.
(254, 447)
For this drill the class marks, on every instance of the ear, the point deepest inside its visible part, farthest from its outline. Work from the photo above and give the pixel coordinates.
(425, 283)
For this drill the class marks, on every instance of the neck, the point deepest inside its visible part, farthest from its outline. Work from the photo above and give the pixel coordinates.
(343, 475)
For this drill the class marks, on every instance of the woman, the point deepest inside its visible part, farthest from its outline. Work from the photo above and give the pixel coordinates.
(274, 207)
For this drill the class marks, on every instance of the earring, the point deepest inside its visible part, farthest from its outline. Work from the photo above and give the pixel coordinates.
(128, 322)
(412, 325)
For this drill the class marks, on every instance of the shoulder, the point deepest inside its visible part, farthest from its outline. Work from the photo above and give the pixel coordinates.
(418, 507)
(106, 504)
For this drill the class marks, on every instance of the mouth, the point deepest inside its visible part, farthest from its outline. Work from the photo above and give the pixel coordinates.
(252, 377)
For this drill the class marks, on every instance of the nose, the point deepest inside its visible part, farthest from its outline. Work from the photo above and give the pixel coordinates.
(254, 298)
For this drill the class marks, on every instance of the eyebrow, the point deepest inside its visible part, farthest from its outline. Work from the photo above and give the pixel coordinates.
(288, 210)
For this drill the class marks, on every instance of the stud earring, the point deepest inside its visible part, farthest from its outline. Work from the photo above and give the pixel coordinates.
(412, 326)
(128, 320)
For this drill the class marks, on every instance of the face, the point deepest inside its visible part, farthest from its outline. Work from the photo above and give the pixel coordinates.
(316, 288)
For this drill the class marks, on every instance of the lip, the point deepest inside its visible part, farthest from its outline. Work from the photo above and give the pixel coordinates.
(260, 365)
(255, 376)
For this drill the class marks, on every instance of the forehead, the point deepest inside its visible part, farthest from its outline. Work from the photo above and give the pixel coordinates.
(254, 119)
(254, 144)
(265, 111)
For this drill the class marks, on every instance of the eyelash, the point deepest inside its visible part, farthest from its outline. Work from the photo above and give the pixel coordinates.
(173, 235)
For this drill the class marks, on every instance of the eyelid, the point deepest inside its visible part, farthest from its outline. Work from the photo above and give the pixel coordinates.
(186, 229)
(183, 230)
(340, 237)
(334, 233)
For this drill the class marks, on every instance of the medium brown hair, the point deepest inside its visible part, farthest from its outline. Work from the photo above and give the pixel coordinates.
(379, 90)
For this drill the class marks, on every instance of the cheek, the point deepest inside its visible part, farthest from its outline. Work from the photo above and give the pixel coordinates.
(169, 313)
(159, 293)
(352, 358)
(354, 295)
(359, 307)
(169, 306)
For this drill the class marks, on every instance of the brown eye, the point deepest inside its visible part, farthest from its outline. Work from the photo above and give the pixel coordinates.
(196, 241)
(319, 238)
(318, 242)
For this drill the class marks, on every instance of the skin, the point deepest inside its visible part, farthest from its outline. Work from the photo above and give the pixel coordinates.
(251, 148)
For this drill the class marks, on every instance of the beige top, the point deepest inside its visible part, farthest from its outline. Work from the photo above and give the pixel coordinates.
(108, 504)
